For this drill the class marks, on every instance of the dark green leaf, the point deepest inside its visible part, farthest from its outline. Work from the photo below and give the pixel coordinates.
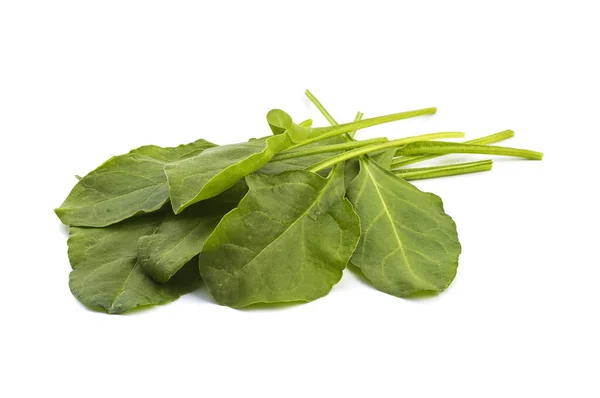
(124, 186)
(288, 240)
(179, 238)
(107, 274)
(408, 243)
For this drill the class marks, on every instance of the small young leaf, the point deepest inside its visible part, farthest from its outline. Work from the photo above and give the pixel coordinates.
(107, 274)
(124, 186)
(289, 240)
(279, 121)
(408, 243)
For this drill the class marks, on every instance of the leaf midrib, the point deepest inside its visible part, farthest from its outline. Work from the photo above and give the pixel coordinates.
(398, 240)
(122, 289)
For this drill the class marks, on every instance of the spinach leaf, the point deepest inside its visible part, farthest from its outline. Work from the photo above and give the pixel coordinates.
(124, 186)
(179, 238)
(408, 243)
(106, 271)
(398, 224)
(289, 240)
(217, 169)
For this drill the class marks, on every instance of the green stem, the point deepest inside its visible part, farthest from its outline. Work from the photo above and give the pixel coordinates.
(350, 136)
(378, 147)
(322, 109)
(327, 148)
(359, 115)
(332, 131)
(488, 139)
(444, 171)
(443, 148)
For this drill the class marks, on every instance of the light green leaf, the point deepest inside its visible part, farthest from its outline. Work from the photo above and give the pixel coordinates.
(124, 186)
(179, 238)
(107, 274)
(217, 169)
(289, 240)
(279, 121)
(408, 243)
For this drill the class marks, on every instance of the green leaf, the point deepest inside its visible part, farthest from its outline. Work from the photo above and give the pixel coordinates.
(107, 274)
(179, 238)
(289, 240)
(408, 243)
(217, 169)
(124, 186)
(390, 254)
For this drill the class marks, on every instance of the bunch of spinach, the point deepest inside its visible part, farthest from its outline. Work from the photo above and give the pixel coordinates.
(274, 219)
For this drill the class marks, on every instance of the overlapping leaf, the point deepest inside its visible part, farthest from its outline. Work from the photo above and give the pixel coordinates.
(124, 186)
(288, 240)
(107, 274)
(291, 235)
(179, 238)
(217, 169)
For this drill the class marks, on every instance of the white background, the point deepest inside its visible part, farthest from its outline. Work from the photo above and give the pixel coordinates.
(81, 81)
